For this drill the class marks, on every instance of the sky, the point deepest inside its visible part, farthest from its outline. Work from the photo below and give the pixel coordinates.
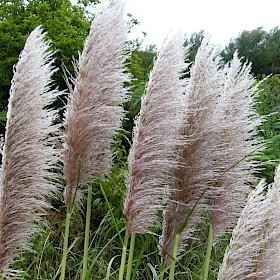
(221, 19)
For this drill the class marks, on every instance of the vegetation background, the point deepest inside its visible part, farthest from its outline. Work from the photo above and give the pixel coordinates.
(68, 26)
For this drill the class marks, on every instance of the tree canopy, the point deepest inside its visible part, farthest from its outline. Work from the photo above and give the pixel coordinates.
(194, 41)
(259, 47)
(66, 25)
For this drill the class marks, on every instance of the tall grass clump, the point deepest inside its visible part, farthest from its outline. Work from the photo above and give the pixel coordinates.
(94, 111)
(29, 153)
(253, 252)
(190, 166)
(216, 163)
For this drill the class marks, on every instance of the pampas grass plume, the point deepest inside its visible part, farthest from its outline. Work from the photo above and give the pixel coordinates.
(152, 157)
(95, 109)
(28, 152)
(253, 252)
(234, 143)
(195, 172)
(220, 127)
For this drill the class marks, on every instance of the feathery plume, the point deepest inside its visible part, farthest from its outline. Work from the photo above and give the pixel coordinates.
(242, 254)
(195, 172)
(234, 141)
(268, 266)
(95, 107)
(152, 157)
(28, 153)
(253, 252)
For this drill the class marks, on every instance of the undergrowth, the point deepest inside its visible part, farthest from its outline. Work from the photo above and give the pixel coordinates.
(106, 239)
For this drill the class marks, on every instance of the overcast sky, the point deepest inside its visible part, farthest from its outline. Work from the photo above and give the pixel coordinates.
(222, 19)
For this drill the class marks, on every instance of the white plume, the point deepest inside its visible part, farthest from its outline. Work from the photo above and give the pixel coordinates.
(253, 252)
(152, 159)
(95, 107)
(195, 172)
(29, 154)
(234, 143)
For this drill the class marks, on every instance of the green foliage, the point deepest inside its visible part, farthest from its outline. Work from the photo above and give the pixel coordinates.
(67, 26)
(3, 118)
(12, 39)
(139, 66)
(194, 41)
(259, 47)
(114, 184)
(269, 107)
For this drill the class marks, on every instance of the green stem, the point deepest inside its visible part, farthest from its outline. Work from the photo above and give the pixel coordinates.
(87, 232)
(130, 256)
(208, 253)
(65, 243)
(70, 208)
(121, 273)
(174, 255)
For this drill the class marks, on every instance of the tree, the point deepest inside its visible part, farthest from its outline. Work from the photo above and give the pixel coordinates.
(66, 25)
(194, 42)
(11, 42)
(259, 47)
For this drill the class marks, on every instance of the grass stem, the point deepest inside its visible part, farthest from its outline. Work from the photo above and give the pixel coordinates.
(130, 256)
(121, 273)
(65, 243)
(87, 231)
(110, 208)
(70, 208)
(174, 255)
(208, 253)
